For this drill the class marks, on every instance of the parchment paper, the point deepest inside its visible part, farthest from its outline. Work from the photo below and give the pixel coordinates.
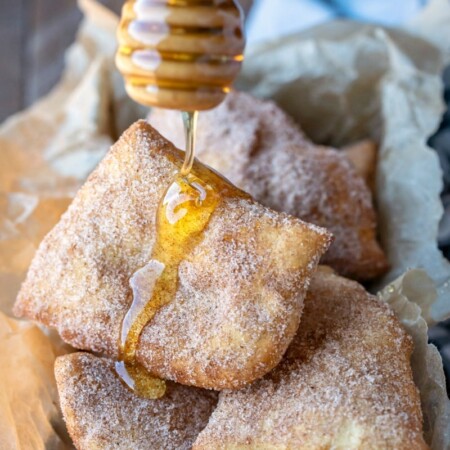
(29, 416)
(404, 295)
(342, 82)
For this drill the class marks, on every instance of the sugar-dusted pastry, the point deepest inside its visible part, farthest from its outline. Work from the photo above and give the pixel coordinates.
(257, 146)
(363, 156)
(101, 413)
(345, 382)
(239, 291)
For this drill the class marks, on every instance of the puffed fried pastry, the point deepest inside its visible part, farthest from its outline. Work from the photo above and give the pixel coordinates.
(259, 148)
(240, 290)
(101, 413)
(345, 382)
(363, 156)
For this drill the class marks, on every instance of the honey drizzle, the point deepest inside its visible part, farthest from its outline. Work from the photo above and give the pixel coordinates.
(180, 54)
(190, 131)
(182, 216)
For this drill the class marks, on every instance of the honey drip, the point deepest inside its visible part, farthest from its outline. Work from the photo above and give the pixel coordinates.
(190, 130)
(182, 216)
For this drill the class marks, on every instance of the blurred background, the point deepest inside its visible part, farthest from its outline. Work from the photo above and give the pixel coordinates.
(36, 33)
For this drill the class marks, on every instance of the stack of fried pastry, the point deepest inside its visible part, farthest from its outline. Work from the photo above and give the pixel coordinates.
(260, 347)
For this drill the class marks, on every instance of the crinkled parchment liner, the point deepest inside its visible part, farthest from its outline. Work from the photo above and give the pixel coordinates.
(404, 295)
(342, 82)
(29, 415)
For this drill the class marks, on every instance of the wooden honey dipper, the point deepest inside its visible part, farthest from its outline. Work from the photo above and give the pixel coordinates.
(180, 54)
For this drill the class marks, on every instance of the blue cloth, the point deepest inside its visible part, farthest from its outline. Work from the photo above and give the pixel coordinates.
(270, 19)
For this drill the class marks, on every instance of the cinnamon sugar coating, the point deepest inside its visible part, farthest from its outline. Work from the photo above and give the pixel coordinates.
(101, 413)
(258, 147)
(345, 382)
(240, 291)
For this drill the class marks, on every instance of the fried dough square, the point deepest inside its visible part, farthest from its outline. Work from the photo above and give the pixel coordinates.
(101, 413)
(258, 147)
(240, 291)
(345, 382)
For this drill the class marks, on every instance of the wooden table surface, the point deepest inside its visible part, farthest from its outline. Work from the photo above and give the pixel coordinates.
(34, 35)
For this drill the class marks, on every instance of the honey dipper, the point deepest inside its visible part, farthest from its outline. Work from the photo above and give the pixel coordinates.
(180, 54)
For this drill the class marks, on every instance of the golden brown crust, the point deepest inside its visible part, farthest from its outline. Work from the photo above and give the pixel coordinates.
(345, 382)
(258, 147)
(363, 156)
(101, 413)
(240, 291)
